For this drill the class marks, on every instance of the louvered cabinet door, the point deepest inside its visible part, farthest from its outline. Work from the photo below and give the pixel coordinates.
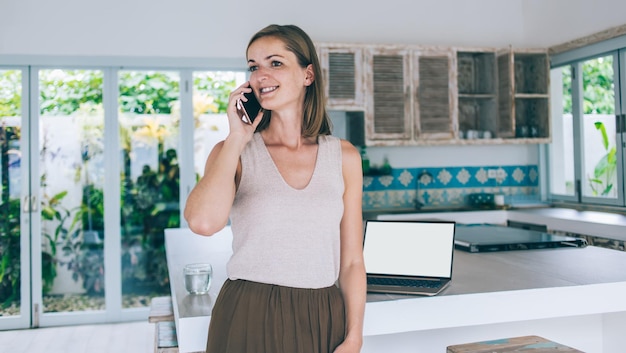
(434, 96)
(506, 103)
(389, 112)
(343, 77)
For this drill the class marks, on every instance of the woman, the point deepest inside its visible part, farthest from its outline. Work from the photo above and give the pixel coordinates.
(293, 195)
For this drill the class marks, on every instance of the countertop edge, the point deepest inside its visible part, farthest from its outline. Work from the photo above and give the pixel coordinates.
(594, 223)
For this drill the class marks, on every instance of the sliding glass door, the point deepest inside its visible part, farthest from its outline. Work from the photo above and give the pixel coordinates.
(96, 163)
(598, 130)
(15, 201)
(586, 156)
(68, 179)
(149, 121)
(563, 173)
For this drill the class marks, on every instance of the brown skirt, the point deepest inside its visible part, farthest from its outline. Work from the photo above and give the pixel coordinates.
(251, 317)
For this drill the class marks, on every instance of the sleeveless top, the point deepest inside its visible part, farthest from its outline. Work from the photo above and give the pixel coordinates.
(282, 235)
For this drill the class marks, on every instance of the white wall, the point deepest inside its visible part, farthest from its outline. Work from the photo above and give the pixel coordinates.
(202, 28)
(454, 156)
(548, 23)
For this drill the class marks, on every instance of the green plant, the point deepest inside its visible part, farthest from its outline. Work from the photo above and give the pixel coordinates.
(142, 197)
(9, 223)
(217, 86)
(53, 211)
(149, 205)
(9, 251)
(10, 93)
(62, 92)
(84, 246)
(598, 87)
(604, 171)
(85, 259)
(148, 92)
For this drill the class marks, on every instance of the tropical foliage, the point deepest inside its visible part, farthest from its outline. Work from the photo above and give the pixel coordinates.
(604, 171)
(149, 202)
(62, 92)
(598, 87)
(598, 98)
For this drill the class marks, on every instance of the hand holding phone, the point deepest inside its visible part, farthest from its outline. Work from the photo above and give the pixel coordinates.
(248, 110)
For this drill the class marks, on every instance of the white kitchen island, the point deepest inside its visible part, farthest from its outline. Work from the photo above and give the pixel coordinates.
(573, 296)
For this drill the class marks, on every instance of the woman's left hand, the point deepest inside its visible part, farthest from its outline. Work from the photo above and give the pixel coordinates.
(348, 347)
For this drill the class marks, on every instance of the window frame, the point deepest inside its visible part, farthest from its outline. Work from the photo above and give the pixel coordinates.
(575, 58)
(111, 66)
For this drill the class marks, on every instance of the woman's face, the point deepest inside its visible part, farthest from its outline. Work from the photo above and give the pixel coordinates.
(276, 77)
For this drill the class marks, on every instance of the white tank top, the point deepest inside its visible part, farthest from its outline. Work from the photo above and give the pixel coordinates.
(282, 235)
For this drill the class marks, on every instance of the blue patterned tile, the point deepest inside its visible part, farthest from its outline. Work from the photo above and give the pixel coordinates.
(448, 186)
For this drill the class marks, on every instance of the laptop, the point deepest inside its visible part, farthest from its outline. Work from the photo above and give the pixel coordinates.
(408, 257)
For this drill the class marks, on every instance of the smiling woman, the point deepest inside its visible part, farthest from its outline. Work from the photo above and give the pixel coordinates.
(265, 178)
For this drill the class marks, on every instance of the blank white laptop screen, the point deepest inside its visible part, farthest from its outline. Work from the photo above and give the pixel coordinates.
(409, 248)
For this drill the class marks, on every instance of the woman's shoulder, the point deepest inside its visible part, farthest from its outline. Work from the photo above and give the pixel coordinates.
(351, 163)
(349, 151)
(346, 146)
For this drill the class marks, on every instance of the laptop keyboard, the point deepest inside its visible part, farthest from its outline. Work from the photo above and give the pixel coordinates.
(403, 282)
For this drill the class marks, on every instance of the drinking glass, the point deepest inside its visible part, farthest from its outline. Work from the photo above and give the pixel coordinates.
(198, 278)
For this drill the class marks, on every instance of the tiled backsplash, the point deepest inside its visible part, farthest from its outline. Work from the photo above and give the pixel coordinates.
(449, 186)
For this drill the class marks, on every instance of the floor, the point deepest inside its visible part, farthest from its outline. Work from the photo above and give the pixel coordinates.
(128, 337)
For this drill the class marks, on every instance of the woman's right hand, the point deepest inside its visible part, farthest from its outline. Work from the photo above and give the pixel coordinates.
(239, 128)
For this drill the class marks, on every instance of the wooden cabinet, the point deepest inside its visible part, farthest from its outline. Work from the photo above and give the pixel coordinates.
(477, 92)
(434, 94)
(388, 113)
(418, 95)
(413, 99)
(523, 95)
(343, 71)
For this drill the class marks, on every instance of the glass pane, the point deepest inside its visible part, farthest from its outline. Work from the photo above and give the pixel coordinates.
(210, 98)
(71, 179)
(562, 147)
(599, 149)
(10, 157)
(149, 134)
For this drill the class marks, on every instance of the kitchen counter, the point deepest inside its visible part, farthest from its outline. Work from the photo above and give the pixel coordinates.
(373, 213)
(601, 224)
(573, 296)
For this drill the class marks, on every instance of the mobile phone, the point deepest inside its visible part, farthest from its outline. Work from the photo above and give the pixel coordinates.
(250, 109)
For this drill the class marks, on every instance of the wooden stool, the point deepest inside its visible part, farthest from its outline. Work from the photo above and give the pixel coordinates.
(165, 340)
(162, 314)
(161, 309)
(527, 344)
